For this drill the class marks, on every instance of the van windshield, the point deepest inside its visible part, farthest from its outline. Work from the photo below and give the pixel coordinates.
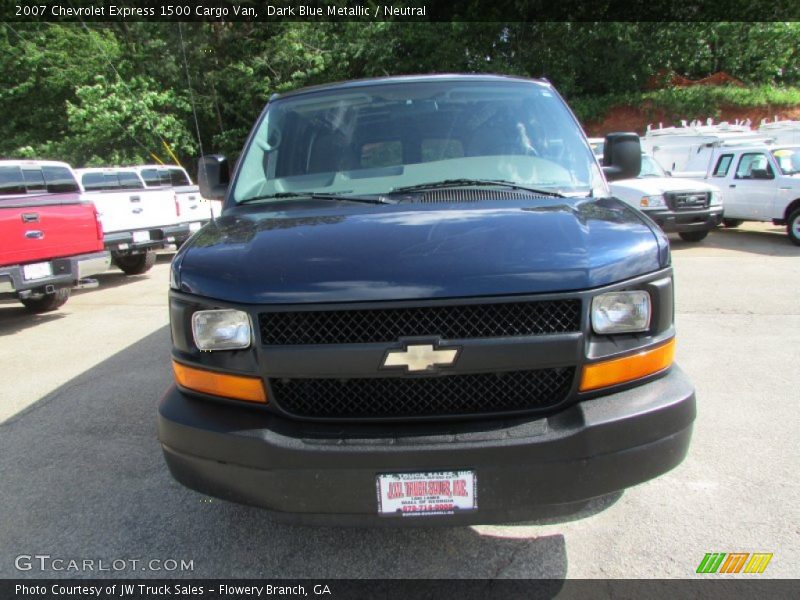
(376, 138)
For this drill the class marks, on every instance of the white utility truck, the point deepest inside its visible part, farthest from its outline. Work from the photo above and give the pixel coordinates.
(781, 131)
(760, 182)
(690, 146)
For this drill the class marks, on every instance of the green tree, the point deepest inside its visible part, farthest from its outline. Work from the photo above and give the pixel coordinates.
(127, 123)
(111, 92)
(41, 66)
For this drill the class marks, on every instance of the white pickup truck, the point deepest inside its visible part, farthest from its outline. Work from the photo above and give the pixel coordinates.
(192, 208)
(143, 209)
(760, 183)
(136, 221)
(683, 206)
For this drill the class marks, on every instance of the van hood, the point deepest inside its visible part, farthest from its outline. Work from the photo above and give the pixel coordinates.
(326, 251)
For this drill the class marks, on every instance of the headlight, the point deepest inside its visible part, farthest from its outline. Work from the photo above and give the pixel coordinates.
(652, 202)
(716, 199)
(621, 312)
(221, 329)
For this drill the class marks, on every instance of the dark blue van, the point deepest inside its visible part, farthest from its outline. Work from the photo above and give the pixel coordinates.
(421, 305)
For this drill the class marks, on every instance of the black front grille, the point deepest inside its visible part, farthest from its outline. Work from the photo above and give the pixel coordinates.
(447, 322)
(409, 397)
(687, 200)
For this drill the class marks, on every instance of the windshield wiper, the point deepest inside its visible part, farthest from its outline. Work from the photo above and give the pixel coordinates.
(315, 196)
(473, 182)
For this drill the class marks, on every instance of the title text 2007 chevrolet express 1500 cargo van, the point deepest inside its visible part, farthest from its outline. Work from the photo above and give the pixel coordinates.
(422, 306)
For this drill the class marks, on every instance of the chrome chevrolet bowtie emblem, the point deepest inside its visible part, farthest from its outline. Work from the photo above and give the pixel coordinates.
(420, 358)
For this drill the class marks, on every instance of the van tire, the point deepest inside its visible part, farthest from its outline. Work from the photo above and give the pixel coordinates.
(693, 236)
(39, 303)
(732, 223)
(136, 264)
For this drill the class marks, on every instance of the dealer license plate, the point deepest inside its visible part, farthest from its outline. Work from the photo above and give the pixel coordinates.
(141, 236)
(427, 494)
(37, 271)
(195, 227)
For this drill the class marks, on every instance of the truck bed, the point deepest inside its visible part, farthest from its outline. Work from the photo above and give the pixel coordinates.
(132, 210)
(35, 228)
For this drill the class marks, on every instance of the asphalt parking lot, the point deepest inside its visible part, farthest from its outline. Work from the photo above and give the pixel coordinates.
(83, 477)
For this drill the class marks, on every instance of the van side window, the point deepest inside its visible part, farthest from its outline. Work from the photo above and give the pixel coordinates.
(11, 181)
(34, 180)
(752, 162)
(723, 164)
(59, 180)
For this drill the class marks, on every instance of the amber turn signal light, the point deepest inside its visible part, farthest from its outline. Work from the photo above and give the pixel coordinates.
(237, 387)
(628, 368)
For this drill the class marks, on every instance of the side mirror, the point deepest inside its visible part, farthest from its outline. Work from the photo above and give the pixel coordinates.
(213, 176)
(760, 174)
(622, 156)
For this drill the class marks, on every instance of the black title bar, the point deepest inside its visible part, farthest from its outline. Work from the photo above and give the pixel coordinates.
(406, 10)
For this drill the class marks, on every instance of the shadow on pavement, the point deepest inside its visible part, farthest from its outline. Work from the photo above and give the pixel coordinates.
(771, 242)
(15, 318)
(114, 278)
(83, 478)
(592, 507)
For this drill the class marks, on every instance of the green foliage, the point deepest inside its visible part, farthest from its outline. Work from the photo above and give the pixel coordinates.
(124, 122)
(112, 93)
(753, 52)
(41, 65)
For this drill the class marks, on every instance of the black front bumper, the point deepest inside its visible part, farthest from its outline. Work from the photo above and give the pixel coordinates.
(526, 468)
(687, 220)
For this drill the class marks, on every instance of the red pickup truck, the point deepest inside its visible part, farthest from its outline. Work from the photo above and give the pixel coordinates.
(50, 239)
